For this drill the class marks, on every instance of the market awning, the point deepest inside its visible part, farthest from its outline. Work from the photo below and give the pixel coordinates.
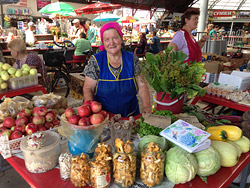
(170, 5)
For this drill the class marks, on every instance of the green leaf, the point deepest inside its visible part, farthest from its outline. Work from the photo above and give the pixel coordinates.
(163, 95)
(204, 178)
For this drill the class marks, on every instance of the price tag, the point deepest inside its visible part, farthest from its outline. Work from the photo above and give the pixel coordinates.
(157, 121)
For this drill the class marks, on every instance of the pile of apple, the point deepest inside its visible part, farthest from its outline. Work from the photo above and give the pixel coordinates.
(7, 72)
(90, 113)
(28, 122)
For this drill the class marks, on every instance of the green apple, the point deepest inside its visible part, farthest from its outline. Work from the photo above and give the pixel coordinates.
(3, 72)
(3, 85)
(1, 64)
(11, 71)
(25, 67)
(18, 73)
(5, 77)
(6, 66)
(25, 73)
(33, 71)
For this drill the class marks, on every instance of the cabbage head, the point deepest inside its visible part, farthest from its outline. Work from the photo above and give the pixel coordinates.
(161, 141)
(181, 166)
(208, 161)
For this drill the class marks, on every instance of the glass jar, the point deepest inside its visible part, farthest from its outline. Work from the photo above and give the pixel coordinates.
(64, 164)
(124, 168)
(100, 174)
(152, 167)
(80, 171)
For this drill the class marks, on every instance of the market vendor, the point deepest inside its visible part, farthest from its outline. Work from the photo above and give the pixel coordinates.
(19, 53)
(29, 35)
(141, 47)
(81, 45)
(76, 29)
(113, 77)
(183, 39)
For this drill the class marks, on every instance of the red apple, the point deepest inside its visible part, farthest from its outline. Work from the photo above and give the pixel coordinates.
(56, 122)
(9, 122)
(24, 113)
(38, 120)
(53, 112)
(31, 118)
(96, 119)
(69, 112)
(31, 128)
(20, 128)
(42, 128)
(5, 132)
(39, 111)
(48, 125)
(35, 111)
(104, 113)
(49, 117)
(87, 102)
(84, 111)
(96, 107)
(74, 119)
(15, 135)
(84, 121)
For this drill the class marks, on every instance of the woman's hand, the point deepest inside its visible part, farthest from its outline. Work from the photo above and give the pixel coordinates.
(204, 38)
(147, 109)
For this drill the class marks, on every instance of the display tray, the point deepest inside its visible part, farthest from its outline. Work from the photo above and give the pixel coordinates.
(22, 82)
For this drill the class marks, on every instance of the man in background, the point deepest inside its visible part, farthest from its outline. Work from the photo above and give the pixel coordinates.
(29, 34)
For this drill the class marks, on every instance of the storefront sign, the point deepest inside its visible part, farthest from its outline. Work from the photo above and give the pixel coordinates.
(222, 13)
(42, 3)
(23, 3)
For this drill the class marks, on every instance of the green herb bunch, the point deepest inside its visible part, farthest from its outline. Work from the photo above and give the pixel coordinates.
(166, 72)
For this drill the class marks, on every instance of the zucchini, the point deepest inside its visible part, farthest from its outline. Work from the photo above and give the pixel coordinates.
(234, 133)
(217, 134)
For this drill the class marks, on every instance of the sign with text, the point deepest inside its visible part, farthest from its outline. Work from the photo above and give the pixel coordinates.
(42, 3)
(23, 3)
(222, 13)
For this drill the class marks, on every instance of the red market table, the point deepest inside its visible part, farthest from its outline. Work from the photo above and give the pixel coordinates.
(222, 102)
(222, 179)
(16, 92)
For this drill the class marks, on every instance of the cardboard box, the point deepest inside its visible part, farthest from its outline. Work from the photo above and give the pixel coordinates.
(214, 67)
(210, 78)
(241, 80)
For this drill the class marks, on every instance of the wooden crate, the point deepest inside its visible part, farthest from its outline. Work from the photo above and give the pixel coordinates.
(76, 84)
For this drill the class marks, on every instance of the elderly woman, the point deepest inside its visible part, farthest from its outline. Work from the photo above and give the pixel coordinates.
(113, 77)
(19, 53)
(184, 41)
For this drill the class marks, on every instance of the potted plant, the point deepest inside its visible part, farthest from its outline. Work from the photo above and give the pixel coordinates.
(170, 77)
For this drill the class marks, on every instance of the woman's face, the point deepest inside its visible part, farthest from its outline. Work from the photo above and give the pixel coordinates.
(112, 41)
(13, 53)
(193, 21)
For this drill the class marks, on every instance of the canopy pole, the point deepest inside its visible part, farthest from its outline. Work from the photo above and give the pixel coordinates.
(231, 29)
(203, 15)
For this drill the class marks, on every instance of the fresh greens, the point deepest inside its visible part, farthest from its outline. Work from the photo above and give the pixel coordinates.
(167, 73)
(144, 129)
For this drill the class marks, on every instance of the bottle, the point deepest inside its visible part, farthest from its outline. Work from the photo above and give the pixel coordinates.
(152, 166)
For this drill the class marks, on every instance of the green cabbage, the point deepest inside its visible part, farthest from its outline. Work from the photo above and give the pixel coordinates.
(162, 142)
(208, 161)
(181, 166)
